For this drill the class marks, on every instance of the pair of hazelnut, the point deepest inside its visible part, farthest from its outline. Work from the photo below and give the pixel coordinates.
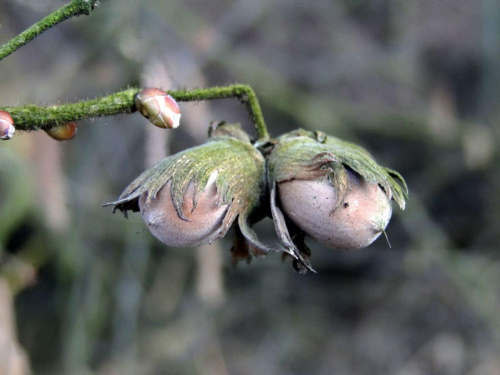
(310, 183)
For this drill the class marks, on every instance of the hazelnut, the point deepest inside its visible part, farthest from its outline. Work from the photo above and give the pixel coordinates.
(200, 224)
(361, 216)
(195, 196)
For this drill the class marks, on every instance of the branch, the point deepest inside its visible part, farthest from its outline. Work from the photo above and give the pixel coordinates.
(32, 117)
(244, 93)
(75, 8)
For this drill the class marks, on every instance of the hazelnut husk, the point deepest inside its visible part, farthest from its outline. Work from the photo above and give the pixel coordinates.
(331, 190)
(194, 197)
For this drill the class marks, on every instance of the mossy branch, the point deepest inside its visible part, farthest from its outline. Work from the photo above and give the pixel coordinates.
(33, 117)
(244, 93)
(75, 8)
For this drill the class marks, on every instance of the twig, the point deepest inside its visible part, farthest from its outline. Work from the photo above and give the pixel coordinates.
(75, 8)
(32, 117)
(244, 93)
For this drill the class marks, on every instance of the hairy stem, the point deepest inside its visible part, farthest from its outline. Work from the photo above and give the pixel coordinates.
(244, 93)
(75, 8)
(32, 117)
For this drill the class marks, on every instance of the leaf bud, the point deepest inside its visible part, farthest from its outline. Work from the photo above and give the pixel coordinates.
(158, 107)
(7, 128)
(63, 132)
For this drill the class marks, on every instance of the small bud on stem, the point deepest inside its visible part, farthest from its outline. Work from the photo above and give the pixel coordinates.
(7, 128)
(158, 107)
(63, 132)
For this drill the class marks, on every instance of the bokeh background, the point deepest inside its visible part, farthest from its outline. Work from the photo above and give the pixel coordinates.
(417, 83)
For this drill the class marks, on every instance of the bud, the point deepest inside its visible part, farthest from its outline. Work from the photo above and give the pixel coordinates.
(158, 107)
(7, 128)
(193, 197)
(63, 132)
(330, 190)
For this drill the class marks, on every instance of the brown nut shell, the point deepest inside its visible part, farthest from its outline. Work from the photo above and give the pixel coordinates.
(355, 223)
(205, 219)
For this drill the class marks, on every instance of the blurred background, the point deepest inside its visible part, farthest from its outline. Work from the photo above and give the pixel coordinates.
(84, 291)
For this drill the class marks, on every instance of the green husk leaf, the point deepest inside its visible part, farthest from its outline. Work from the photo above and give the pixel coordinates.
(240, 180)
(310, 155)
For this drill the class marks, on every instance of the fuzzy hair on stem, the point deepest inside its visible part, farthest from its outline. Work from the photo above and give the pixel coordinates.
(32, 117)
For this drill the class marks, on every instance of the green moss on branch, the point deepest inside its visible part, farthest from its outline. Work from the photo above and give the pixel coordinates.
(33, 117)
(244, 93)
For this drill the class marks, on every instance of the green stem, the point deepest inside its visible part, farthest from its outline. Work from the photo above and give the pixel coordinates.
(244, 93)
(32, 117)
(75, 8)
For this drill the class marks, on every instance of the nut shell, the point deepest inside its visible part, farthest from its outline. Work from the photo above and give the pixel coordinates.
(356, 222)
(205, 220)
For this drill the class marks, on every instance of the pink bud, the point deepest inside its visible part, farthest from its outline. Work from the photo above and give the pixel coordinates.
(158, 107)
(7, 128)
(63, 132)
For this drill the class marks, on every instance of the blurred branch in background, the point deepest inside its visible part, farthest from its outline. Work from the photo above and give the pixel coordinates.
(13, 359)
(399, 77)
(74, 8)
